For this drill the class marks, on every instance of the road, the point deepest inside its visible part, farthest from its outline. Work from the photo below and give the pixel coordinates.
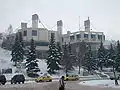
(70, 85)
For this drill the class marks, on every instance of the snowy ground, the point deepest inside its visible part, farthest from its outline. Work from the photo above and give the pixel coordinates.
(100, 83)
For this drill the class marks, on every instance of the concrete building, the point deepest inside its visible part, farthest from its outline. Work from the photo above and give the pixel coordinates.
(42, 35)
(88, 35)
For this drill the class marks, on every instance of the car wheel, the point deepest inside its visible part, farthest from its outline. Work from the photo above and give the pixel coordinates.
(67, 79)
(3, 83)
(23, 82)
(40, 80)
(18, 82)
(50, 80)
(11, 82)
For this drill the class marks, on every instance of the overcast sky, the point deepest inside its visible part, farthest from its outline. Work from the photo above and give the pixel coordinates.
(104, 14)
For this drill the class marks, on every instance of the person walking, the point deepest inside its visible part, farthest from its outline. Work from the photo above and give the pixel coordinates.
(61, 83)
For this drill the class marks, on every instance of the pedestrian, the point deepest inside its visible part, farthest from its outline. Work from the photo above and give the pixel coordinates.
(61, 83)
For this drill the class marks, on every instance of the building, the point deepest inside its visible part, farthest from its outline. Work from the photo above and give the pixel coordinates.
(91, 37)
(41, 36)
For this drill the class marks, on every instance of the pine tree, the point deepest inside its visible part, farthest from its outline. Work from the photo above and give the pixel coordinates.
(21, 48)
(110, 56)
(117, 59)
(15, 51)
(52, 60)
(67, 63)
(101, 56)
(31, 61)
(90, 63)
(81, 54)
(59, 53)
(112, 61)
(72, 57)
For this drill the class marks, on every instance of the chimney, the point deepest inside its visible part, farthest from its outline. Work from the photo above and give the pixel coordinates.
(35, 20)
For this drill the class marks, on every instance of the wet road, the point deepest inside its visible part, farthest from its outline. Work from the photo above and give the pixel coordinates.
(70, 85)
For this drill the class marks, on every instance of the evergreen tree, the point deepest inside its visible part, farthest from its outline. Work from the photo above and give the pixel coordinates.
(113, 60)
(110, 56)
(81, 54)
(15, 51)
(90, 63)
(31, 61)
(67, 63)
(101, 56)
(72, 57)
(59, 53)
(52, 60)
(21, 48)
(117, 59)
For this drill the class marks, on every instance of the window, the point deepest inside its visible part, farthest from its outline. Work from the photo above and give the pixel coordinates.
(71, 38)
(104, 37)
(53, 34)
(34, 32)
(25, 33)
(78, 36)
(85, 35)
(100, 37)
(93, 36)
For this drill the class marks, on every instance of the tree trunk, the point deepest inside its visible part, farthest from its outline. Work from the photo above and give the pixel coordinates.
(116, 80)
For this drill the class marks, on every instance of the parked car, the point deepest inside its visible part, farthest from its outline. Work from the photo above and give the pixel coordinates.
(71, 78)
(2, 79)
(44, 79)
(18, 79)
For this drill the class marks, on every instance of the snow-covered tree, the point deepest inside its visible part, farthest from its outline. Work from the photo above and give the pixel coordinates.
(101, 56)
(52, 60)
(67, 63)
(72, 57)
(90, 62)
(112, 60)
(59, 53)
(21, 48)
(82, 48)
(31, 61)
(8, 38)
(16, 51)
(117, 59)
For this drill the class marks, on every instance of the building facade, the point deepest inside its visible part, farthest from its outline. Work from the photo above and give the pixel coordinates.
(42, 35)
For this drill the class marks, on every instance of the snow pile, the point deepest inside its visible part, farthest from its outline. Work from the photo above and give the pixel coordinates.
(100, 83)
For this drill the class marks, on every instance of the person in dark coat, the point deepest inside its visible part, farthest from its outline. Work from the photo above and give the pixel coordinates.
(61, 83)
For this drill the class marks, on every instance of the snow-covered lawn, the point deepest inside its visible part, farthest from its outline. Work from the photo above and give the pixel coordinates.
(100, 83)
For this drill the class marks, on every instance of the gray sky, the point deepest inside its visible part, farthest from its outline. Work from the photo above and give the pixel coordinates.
(104, 14)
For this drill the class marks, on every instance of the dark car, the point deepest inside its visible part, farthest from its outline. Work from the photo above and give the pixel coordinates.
(18, 79)
(2, 79)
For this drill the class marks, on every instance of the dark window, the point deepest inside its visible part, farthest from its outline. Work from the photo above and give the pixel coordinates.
(71, 38)
(78, 36)
(93, 36)
(85, 35)
(25, 33)
(100, 37)
(53, 34)
(34, 32)
(104, 37)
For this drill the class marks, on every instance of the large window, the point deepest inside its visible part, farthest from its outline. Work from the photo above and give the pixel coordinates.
(34, 32)
(100, 37)
(85, 35)
(78, 36)
(71, 38)
(25, 33)
(93, 36)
